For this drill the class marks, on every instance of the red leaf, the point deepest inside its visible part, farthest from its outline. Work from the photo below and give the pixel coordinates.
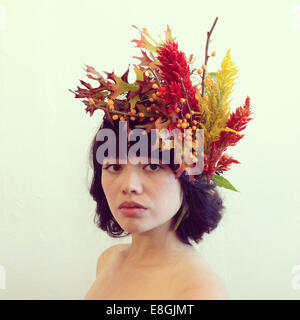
(145, 60)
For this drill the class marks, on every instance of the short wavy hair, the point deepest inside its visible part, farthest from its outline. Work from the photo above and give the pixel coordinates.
(204, 202)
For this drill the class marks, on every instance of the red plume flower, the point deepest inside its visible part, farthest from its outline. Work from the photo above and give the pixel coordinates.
(174, 66)
(239, 119)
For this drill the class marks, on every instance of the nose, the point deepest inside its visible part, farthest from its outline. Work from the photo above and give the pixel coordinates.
(132, 182)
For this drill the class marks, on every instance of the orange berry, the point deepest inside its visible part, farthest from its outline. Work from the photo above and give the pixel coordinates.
(122, 119)
(194, 127)
(115, 117)
(152, 118)
(195, 122)
(184, 125)
(158, 93)
(187, 115)
(151, 99)
(150, 74)
(199, 71)
(111, 107)
(110, 102)
(178, 125)
(213, 53)
(154, 86)
(141, 114)
(91, 101)
(148, 109)
(179, 120)
(156, 111)
(182, 100)
(192, 112)
(203, 67)
(132, 118)
(177, 110)
(133, 111)
(154, 96)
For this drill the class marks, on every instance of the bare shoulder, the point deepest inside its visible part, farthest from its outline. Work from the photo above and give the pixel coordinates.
(104, 262)
(202, 283)
(107, 254)
(204, 293)
(212, 289)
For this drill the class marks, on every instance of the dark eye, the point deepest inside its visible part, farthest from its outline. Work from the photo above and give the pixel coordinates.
(113, 166)
(153, 166)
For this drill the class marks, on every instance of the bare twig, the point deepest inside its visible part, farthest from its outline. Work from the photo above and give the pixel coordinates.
(186, 96)
(124, 113)
(206, 55)
(155, 75)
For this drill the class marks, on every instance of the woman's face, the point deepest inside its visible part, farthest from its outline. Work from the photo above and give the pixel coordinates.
(154, 186)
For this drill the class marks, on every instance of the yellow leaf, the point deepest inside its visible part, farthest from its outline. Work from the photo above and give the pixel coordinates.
(121, 87)
(134, 100)
(139, 73)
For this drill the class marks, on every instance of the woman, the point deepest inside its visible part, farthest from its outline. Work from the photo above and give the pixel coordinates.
(159, 263)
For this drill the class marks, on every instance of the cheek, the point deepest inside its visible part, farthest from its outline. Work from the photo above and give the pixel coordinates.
(168, 195)
(175, 193)
(107, 188)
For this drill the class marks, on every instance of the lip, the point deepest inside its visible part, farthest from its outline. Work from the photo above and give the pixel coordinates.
(132, 212)
(131, 205)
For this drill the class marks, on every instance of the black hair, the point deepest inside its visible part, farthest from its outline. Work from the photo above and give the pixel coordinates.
(205, 205)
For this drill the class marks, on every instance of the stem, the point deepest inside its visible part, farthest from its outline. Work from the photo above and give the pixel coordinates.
(193, 71)
(124, 113)
(206, 55)
(186, 96)
(140, 101)
(156, 77)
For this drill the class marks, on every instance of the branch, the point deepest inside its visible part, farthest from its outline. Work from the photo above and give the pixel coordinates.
(125, 113)
(155, 75)
(206, 55)
(186, 96)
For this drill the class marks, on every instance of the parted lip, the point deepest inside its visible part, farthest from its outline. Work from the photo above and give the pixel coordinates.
(131, 204)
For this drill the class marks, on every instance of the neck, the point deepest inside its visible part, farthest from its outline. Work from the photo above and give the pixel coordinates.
(154, 247)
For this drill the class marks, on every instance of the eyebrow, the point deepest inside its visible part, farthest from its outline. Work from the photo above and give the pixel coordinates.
(109, 161)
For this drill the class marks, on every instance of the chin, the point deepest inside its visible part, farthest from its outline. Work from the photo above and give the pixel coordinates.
(135, 227)
(132, 229)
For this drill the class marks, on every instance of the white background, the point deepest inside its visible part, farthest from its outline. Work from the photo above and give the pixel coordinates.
(49, 244)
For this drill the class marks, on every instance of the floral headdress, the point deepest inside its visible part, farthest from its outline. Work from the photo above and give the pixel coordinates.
(163, 96)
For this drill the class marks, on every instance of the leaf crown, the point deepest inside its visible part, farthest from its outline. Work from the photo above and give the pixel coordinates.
(169, 93)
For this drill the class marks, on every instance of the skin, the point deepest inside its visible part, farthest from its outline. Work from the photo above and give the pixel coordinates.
(155, 187)
(156, 265)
